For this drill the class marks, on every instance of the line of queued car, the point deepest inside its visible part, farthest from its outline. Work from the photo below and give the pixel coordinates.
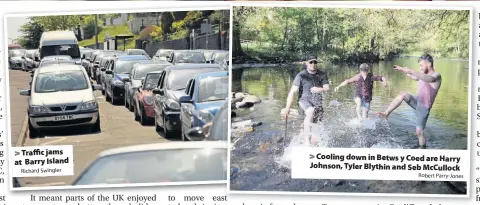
(179, 91)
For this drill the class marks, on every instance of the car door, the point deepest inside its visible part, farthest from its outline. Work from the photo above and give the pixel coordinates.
(190, 107)
(128, 85)
(108, 77)
(158, 98)
(184, 108)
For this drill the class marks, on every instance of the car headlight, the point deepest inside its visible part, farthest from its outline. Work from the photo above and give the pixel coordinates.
(173, 104)
(90, 105)
(205, 116)
(148, 100)
(118, 82)
(37, 109)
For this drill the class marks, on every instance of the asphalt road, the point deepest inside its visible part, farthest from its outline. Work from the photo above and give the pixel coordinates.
(118, 129)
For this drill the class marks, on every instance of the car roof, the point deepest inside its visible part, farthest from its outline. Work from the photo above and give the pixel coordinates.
(147, 63)
(212, 74)
(65, 67)
(191, 51)
(57, 57)
(155, 72)
(56, 62)
(164, 146)
(192, 66)
(131, 57)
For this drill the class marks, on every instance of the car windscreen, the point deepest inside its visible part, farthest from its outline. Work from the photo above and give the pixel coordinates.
(137, 52)
(218, 131)
(142, 72)
(124, 67)
(171, 165)
(220, 56)
(60, 81)
(151, 81)
(189, 57)
(177, 79)
(69, 50)
(17, 53)
(213, 89)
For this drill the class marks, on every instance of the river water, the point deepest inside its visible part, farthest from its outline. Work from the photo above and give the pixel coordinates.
(262, 156)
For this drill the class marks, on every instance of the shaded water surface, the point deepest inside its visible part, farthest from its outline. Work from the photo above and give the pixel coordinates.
(262, 156)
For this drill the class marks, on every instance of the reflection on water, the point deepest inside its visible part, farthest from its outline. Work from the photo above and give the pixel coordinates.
(259, 170)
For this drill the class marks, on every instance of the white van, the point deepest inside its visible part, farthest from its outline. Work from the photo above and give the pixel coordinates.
(54, 43)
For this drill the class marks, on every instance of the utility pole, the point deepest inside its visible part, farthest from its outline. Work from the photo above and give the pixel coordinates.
(96, 31)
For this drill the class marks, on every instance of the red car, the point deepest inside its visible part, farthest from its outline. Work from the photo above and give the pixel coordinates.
(144, 102)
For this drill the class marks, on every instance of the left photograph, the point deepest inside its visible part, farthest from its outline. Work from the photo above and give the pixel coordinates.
(118, 98)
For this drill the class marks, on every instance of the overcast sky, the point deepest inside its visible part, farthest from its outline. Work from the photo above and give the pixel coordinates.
(13, 27)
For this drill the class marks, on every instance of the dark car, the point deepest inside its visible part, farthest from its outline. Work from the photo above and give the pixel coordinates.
(117, 73)
(162, 54)
(86, 54)
(187, 56)
(171, 87)
(139, 72)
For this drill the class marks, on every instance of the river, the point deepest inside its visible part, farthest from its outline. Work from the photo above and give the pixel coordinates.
(262, 156)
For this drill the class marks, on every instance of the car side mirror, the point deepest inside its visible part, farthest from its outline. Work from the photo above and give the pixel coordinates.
(157, 91)
(109, 72)
(185, 99)
(103, 69)
(196, 134)
(25, 92)
(125, 80)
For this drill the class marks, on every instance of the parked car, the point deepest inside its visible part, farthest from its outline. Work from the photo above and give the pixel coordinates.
(208, 55)
(226, 63)
(186, 56)
(60, 98)
(214, 131)
(171, 87)
(166, 162)
(136, 52)
(100, 74)
(144, 108)
(115, 75)
(162, 54)
(204, 95)
(36, 58)
(219, 57)
(28, 60)
(98, 60)
(86, 53)
(15, 60)
(139, 71)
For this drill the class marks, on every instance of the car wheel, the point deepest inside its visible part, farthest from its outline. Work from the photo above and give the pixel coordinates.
(143, 120)
(130, 106)
(165, 129)
(33, 133)
(96, 127)
(125, 100)
(135, 114)
(112, 98)
(107, 97)
(157, 128)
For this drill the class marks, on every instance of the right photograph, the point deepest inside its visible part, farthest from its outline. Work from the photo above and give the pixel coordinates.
(371, 78)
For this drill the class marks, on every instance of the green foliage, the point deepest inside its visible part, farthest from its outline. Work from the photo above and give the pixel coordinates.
(63, 22)
(345, 35)
(111, 30)
(32, 32)
(157, 34)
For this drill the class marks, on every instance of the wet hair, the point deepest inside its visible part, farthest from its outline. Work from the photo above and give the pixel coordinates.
(364, 67)
(426, 57)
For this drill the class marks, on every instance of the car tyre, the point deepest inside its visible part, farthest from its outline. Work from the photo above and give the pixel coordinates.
(165, 129)
(157, 127)
(96, 127)
(33, 133)
(112, 98)
(125, 101)
(135, 114)
(130, 106)
(143, 119)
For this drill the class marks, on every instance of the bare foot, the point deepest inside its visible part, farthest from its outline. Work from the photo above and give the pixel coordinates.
(382, 115)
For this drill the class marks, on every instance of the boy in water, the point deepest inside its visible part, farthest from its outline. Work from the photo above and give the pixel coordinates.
(364, 88)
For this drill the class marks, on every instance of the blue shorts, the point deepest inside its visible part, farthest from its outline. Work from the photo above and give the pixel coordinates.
(363, 102)
(421, 112)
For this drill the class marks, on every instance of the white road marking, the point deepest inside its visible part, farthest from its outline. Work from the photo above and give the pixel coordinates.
(54, 141)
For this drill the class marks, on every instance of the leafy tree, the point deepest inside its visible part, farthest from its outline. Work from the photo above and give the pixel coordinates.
(32, 32)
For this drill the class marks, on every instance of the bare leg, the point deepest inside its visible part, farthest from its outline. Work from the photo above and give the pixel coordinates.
(358, 103)
(403, 96)
(421, 137)
(365, 113)
(307, 123)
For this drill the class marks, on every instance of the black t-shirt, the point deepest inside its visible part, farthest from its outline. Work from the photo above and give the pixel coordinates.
(305, 81)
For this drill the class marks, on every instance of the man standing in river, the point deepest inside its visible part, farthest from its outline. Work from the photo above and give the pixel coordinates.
(310, 83)
(429, 83)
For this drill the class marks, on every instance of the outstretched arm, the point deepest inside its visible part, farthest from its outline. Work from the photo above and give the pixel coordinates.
(346, 82)
(413, 77)
(291, 94)
(416, 74)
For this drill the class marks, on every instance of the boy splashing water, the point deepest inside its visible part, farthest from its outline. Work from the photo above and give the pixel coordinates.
(364, 89)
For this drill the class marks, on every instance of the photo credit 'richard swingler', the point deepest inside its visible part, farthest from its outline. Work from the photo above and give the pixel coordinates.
(350, 100)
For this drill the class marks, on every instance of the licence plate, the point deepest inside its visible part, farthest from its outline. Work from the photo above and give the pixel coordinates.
(64, 117)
